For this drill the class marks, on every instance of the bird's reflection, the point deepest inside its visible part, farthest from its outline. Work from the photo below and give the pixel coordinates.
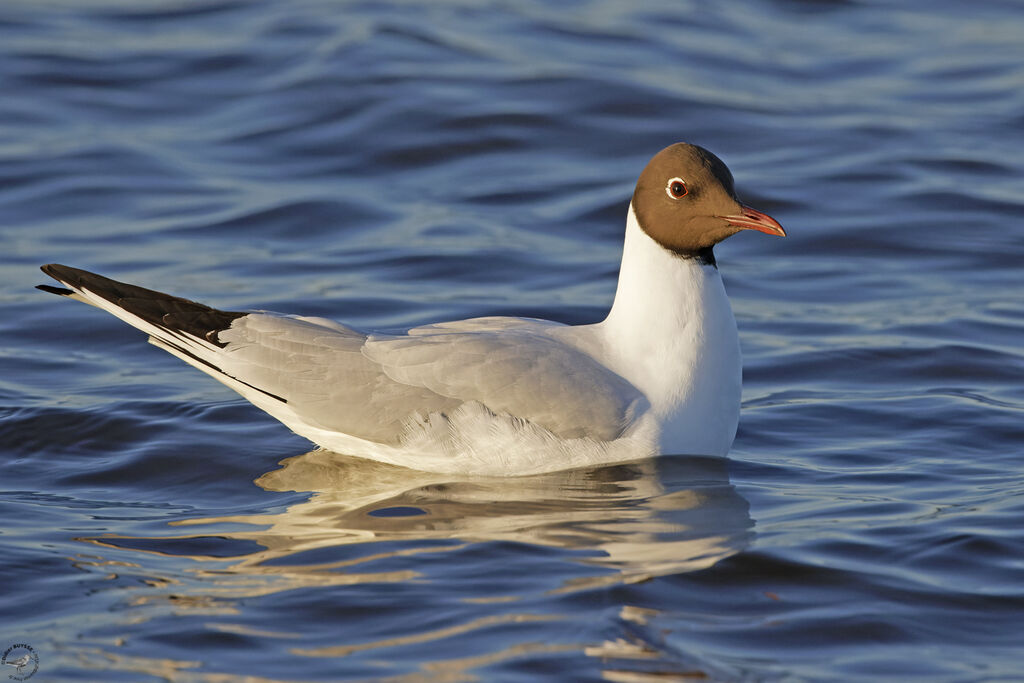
(369, 523)
(640, 519)
(637, 520)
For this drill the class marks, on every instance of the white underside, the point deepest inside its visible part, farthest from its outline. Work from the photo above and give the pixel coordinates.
(670, 334)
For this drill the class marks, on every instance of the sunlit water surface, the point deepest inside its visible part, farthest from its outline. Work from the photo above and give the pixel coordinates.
(395, 164)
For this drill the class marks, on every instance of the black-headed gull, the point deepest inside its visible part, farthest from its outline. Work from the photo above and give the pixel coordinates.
(500, 395)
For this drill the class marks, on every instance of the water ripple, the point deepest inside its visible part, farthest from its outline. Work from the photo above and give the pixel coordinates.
(395, 164)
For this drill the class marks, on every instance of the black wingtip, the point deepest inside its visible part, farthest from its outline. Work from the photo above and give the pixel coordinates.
(169, 312)
(51, 268)
(66, 274)
(60, 291)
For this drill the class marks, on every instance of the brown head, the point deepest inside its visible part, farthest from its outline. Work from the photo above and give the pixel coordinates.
(685, 201)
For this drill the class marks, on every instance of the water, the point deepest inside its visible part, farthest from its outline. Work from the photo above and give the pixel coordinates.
(395, 164)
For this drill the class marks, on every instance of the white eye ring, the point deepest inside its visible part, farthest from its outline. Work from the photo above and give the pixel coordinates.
(672, 188)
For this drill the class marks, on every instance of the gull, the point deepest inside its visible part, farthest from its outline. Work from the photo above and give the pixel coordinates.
(499, 395)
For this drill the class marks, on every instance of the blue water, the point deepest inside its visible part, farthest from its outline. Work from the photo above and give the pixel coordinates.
(395, 164)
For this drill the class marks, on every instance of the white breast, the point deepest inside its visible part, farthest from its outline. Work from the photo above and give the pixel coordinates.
(672, 334)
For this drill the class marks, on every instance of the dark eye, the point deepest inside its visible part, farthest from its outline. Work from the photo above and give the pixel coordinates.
(676, 188)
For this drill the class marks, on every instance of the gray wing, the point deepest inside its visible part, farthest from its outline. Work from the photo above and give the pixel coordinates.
(338, 379)
(511, 367)
(371, 387)
(318, 368)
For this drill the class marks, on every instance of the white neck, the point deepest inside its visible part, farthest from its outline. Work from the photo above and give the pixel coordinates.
(672, 334)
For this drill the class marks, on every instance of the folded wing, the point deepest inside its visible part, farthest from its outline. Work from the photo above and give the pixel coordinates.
(337, 379)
